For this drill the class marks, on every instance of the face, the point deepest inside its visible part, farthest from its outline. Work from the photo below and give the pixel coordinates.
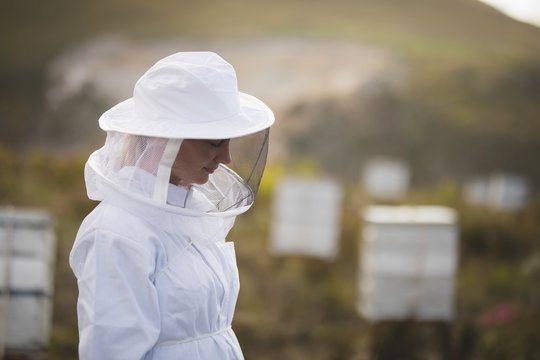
(197, 159)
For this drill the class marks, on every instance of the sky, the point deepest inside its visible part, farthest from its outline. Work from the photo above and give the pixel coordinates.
(523, 10)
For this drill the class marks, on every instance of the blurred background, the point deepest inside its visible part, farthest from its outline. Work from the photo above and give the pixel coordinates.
(419, 120)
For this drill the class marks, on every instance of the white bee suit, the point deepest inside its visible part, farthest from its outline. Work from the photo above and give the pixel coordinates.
(170, 275)
(157, 278)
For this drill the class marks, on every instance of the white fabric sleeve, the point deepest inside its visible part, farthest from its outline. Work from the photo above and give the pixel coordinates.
(117, 309)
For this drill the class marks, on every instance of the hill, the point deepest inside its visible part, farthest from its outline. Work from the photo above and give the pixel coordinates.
(464, 28)
(473, 73)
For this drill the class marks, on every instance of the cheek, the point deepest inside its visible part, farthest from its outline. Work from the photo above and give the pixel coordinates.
(203, 159)
(189, 167)
(188, 159)
(192, 160)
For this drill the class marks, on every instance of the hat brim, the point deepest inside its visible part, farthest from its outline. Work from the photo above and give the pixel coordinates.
(253, 117)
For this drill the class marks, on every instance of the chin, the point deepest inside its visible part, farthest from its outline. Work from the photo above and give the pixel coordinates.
(201, 181)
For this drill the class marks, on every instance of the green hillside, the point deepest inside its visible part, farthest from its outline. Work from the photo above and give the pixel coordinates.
(462, 53)
(438, 28)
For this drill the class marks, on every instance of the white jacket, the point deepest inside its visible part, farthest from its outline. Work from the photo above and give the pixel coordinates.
(155, 283)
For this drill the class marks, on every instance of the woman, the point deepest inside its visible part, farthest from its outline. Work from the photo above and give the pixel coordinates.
(156, 277)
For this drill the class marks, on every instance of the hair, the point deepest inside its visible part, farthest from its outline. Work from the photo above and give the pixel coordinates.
(140, 151)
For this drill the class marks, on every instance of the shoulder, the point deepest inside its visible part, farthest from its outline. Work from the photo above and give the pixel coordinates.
(117, 221)
(112, 227)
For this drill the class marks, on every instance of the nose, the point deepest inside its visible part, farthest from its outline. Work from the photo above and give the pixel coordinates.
(224, 155)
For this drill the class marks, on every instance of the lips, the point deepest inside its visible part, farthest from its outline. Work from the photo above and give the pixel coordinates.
(210, 170)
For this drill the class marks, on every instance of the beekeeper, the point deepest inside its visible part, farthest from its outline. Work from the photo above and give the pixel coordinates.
(156, 277)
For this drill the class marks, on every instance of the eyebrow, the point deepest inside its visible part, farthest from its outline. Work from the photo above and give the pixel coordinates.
(216, 142)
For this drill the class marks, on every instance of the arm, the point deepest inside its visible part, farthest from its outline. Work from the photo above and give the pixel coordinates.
(117, 309)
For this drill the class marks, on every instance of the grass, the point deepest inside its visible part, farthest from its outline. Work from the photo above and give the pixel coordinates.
(304, 308)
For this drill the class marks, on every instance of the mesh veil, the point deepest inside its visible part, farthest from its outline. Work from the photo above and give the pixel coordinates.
(130, 163)
(235, 185)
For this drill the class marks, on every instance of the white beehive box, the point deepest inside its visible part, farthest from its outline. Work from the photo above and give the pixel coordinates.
(408, 260)
(306, 218)
(503, 192)
(475, 191)
(507, 192)
(27, 255)
(386, 178)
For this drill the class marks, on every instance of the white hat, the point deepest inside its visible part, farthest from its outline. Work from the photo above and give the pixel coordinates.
(189, 95)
